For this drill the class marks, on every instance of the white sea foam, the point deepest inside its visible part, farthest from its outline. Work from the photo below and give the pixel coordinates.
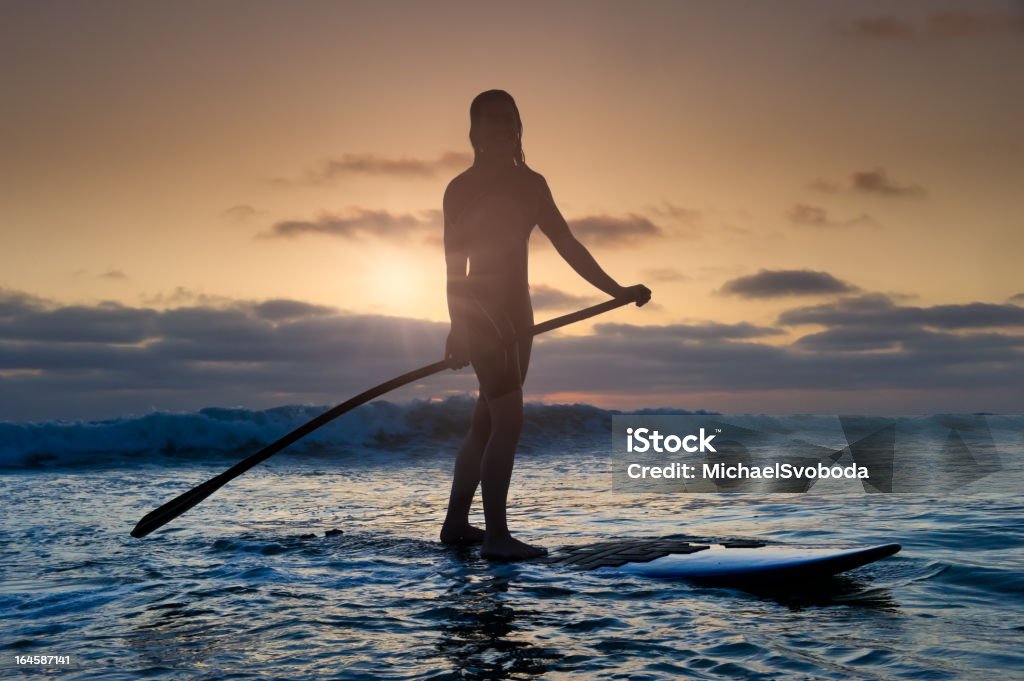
(380, 424)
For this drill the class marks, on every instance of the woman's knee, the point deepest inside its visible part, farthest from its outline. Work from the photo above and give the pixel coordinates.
(506, 411)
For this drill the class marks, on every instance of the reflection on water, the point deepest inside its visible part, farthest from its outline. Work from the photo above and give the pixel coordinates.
(840, 590)
(483, 636)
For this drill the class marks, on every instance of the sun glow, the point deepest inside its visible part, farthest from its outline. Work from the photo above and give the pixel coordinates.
(401, 284)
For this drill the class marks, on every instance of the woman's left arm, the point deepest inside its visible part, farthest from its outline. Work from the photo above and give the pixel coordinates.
(553, 225)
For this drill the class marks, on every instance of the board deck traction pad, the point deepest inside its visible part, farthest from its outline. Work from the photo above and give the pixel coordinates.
(617, 553)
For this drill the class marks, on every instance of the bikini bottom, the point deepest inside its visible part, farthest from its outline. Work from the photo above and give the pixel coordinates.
(500, 364)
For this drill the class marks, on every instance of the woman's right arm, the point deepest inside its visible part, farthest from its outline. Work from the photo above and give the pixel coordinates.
(456, 257)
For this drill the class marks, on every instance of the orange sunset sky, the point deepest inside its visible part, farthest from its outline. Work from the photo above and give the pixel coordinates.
(238, 203)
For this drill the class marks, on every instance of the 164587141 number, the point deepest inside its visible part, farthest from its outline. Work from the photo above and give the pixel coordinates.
(42, 659)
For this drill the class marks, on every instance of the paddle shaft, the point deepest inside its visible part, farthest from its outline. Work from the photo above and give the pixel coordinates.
(182, 503)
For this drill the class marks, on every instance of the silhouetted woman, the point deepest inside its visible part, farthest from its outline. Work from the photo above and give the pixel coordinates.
(489, 212)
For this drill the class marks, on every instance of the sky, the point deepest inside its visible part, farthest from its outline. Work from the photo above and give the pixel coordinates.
(239, 203)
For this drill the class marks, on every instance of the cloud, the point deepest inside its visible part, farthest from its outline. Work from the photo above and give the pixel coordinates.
(1017, 298)
(104, 323)
(824, 186)
(604, 230)
(362, 222)
(907, 338)
(851, 340)
(549, 298)
(102, 360)
(183, 296)
(706, 331)
(807, 215)
(625, 359)
(372, 164)
(939, 26)
(14, 303)
(281, 309)
(876, 181)
(113, 274)
(240, 213)
(971, 25)
(883, 27)
(879, 311)
(670, 210)
(778, 283)
(60, 361)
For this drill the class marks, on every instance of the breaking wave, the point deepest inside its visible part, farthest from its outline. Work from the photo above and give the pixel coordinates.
(421, 425)
(217, 430)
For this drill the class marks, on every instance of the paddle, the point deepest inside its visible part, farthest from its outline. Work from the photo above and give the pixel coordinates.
(180, 504)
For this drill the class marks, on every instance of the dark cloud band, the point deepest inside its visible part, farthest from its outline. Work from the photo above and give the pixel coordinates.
(104, 360)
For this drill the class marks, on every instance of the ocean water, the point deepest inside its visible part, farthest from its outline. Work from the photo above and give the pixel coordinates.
(246, 585)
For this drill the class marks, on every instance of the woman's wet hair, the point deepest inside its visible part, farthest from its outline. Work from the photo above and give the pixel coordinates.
(476, 108)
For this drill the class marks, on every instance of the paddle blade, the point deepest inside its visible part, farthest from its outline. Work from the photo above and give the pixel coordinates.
(159, 517)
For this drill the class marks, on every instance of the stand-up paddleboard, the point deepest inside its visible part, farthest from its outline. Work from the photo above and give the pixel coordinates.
(738, 563)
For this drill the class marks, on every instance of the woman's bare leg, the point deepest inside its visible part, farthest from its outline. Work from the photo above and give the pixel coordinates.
(466, 478)
(506, 420)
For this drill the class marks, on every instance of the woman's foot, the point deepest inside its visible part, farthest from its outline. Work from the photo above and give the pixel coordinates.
(509, 548)
(461, 535)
